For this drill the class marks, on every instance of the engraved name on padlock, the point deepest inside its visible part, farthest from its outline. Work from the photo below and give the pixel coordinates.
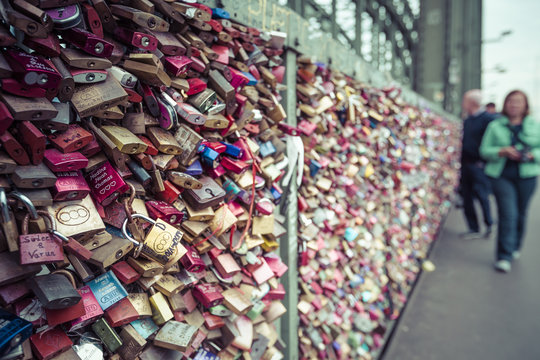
(162, 243)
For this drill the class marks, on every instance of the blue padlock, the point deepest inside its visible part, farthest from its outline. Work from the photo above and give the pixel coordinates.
(251, 79)
(276, 194)
(145, 327)
(314, 167)
(13, 331)
(194, 169)
(351, 234)
(107, 290)
(205, 355)
(209, 157)
(267, 149)
(218, 13)
(232, 150)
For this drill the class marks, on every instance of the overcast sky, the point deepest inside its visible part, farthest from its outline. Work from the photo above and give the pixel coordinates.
(518, 53)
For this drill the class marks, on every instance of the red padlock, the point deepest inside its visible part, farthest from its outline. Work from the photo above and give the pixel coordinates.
(73, 139)
(58, 161)
(41, 248)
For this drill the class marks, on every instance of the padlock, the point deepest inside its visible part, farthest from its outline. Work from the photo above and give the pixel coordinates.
(161, 312)
(106, 184)
(125, 273)
(39, 248)
(107, 334)
(78, 59)
(49, 343)
(15, 331)
(88, 42)
(111, 252)
(65, 17)
(88, 76)
(33, 177)
(209, 194)
(192, 262)
(60, 316)
(139, 173)
(121, 313)
(107, 290)
(162, 210)
(124, 139)
(73, 139)
(140, 18)
(164, 141)
(91, 308)
(133, 343)
(89, 99)
(147, 268)
(168, 285)
(70, 186)
(56, 290)
(134, 121)
(32, 70)
(14, 149)
(141, 304)
(58, 161)
(77, 217)
(162, 242)
(175, 335)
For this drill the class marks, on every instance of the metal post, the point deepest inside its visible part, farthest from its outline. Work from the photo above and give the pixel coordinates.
(375, 46)
(333, 21)
(360, 7)
(289, 244)
(297, 5)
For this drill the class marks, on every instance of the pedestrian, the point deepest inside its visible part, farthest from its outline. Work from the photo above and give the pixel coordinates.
(490, 108)
(511, 147)
(473, 183)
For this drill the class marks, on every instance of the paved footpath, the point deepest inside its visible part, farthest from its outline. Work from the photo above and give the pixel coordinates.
(466, 310)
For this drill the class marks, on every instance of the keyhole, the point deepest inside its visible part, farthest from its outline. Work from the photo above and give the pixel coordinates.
(60, 12)
(210, 191)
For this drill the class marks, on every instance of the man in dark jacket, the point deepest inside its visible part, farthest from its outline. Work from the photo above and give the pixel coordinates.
(474, 183)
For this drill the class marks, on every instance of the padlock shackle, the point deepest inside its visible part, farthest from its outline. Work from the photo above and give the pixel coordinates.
(51, 225)
(67, 274)
(60, 236)
(4, 208)
(135, 216)
(28, 204)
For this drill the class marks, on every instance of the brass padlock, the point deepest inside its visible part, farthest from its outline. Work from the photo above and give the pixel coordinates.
(36, 223)
(124, 139)
(161, 311)
(175, 335)
(135, 121)
(77, 217)
(162, 242)
(164, 141)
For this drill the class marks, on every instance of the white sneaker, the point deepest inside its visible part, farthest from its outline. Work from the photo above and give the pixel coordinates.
(503, 266)
(516, 255)
(471, 235)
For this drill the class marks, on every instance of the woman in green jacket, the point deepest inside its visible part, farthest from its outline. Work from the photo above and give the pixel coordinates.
(511, 147)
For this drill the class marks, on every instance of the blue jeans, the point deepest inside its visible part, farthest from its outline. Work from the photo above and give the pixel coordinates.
(513, 197)
(475, 185)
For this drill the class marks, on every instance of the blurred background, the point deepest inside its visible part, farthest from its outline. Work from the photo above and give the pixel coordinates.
(439, 48)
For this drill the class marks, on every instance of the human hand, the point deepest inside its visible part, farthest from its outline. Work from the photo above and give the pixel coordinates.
(510, 152)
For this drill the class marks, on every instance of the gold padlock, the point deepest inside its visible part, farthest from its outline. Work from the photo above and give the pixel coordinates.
(161, 244)
(124, 139)
(161, 311)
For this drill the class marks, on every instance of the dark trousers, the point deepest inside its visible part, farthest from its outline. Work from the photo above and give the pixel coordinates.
(475, 185)
(513, 197)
